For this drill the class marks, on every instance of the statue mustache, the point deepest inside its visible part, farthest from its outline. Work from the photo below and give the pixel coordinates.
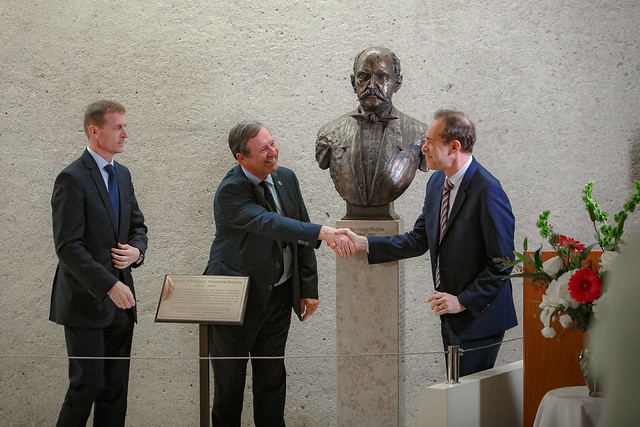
(372, 92)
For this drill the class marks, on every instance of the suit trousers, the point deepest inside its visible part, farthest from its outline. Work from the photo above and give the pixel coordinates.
(471, 360)
(99, 381)
(263, 333)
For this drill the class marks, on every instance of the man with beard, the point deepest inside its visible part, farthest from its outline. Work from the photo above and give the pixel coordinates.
(372, 152)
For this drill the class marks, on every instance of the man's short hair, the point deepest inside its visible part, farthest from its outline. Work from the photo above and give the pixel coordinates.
(395, 62)
(457, 126)
(94, 115)
(240, 134)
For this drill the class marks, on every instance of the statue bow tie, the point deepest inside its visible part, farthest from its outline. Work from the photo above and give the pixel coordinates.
(373, 117)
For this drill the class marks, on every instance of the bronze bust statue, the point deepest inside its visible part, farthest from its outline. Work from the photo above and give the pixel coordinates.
(372, 152)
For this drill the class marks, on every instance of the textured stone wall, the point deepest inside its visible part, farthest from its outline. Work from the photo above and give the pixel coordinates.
(552, 87)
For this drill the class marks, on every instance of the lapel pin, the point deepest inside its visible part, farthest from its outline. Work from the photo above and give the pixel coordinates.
(279, 182)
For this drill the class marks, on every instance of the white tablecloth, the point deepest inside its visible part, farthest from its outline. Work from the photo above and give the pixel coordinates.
(569, 406)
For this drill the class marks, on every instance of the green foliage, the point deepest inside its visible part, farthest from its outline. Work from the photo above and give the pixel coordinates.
(571, 255)
(608, 236)
(543, 225)
(526, 258)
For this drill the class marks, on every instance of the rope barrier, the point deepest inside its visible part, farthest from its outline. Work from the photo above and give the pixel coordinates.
(291, 357)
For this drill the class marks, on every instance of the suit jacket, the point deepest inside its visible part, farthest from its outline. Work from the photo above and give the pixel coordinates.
(338, 147)
(84, 231)
(248, 236)
(479, 230)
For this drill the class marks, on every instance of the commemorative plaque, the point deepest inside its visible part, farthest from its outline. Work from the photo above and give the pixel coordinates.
(203, 299)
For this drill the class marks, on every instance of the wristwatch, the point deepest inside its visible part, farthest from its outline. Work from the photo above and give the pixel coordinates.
(140, 258)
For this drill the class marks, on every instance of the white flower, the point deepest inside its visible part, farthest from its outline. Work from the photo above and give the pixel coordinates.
(548, 332)
(558, 292)
(608, 258)
(545, 318)
(555, 299)
(565, 321)
(552, 266)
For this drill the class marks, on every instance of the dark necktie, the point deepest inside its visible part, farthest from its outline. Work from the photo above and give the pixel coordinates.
(267, 195)
(272, 207)
(444, 216)
(112, 183)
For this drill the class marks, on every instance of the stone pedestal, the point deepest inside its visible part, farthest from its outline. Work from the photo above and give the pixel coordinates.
(370, 328)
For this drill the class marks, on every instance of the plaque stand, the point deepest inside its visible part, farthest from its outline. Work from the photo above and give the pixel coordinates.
(370, 333)
(203, 299)
(205, 414)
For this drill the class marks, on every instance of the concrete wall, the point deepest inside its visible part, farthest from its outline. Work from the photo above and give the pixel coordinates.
(552, 86)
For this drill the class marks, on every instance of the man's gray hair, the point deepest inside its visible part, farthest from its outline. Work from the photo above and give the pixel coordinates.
(240, 134)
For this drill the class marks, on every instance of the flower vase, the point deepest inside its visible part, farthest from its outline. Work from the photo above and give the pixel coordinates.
(587, 366)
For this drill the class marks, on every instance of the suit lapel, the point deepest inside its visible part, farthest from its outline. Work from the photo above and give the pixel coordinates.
(391, 135)
(257, 190)
(462, 193)
(123, 195)
(432, 209)
(239, 176)
(284, 196)
(98, 180)
(357, 171)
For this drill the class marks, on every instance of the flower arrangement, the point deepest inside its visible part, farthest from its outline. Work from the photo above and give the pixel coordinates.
(573, 286)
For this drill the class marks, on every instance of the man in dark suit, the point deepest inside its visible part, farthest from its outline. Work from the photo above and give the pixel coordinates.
(99, 235)
(263, 232)
(467, 226)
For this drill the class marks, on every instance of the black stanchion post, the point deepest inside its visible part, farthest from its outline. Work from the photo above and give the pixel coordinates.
(205, 414)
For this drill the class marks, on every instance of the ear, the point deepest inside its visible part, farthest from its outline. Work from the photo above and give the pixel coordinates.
(455, 146)
(398, 83)
(353, 83)
(240, 157)
(93, 130)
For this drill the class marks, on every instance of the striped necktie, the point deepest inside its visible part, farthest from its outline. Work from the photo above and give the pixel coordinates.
(444, 216)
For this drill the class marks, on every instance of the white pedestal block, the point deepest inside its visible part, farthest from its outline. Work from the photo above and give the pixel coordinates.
(488, 398)
(370, 325)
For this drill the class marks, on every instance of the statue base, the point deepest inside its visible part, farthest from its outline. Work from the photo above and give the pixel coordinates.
(370, 332)
(384, 212)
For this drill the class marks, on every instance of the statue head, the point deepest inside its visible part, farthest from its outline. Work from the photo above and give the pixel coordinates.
(376, 77)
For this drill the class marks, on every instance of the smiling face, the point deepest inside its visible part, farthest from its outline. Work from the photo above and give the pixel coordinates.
(437, 152)
(108, 139)
(263, 155)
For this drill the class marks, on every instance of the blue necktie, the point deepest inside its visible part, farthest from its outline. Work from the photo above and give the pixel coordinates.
(113, 189)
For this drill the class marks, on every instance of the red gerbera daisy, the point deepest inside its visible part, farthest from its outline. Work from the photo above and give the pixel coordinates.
(567, 241)
(585, 285)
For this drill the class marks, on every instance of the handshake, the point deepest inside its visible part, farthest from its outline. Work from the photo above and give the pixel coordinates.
(343, 241)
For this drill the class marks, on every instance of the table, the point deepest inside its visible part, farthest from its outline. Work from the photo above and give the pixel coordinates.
(569, 406)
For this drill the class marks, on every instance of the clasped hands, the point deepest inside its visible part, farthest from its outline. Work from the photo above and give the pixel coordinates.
(343, 241)
(123, 256)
